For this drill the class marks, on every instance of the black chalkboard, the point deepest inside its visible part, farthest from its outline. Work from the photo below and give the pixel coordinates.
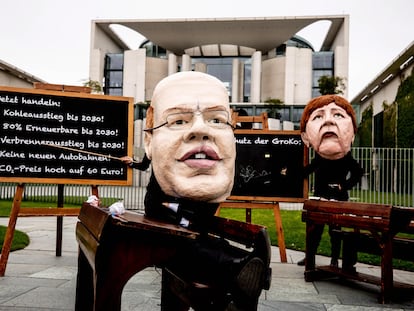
(269, 166)
(32, 119)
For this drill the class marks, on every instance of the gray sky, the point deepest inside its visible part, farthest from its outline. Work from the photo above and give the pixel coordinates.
(50, 38)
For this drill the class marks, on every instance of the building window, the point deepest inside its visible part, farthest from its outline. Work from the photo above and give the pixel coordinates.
(322, 65)
(113, 73)
(153, 50)
(222, 68)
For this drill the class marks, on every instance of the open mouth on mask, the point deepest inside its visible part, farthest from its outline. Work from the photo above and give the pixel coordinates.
(329, 135)
(201, 154)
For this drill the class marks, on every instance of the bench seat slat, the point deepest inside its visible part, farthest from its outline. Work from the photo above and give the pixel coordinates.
(345, 220)
(360, 209)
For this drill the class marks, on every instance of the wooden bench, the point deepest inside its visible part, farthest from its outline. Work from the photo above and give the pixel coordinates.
(370, 228)
(113, 249)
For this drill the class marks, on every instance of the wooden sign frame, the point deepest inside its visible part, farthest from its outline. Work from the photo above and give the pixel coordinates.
(92, 123)
(262, 142)
(249, 202)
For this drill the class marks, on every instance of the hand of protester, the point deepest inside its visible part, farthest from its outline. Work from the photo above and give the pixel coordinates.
(127, 160)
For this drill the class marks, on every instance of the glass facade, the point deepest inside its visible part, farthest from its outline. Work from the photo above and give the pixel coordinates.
(222, 68)
(153, 50)
(286, 113)
(113, 74)
(322, 65)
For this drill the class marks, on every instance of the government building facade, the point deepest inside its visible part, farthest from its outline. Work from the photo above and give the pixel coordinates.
(260, 60)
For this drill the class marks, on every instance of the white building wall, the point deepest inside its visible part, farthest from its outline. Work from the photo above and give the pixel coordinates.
(172, 63)
(386, 94)
(298, 79)
(100, 40)
(185, 62)
(156, 70)
(302, 87)
(235, 81)
(255, 86)
(273, 78)
(96, 65)
(10, 80)
(101, 44)
(341, 66)
(134, 74)
(340, 47)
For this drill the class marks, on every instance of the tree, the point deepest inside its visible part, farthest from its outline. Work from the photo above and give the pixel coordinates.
(365, 128)
(389, 125)
(405, 102)
(331, 85)
(94, 85)
(272, 106)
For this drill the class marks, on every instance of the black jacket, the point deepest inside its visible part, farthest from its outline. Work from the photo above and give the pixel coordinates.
(199, 213)
(333, 178)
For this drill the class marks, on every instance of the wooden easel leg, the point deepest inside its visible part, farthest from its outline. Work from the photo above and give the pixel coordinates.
(280, 234)
(249, 215)
(11, 228)
(217, 212)
(59, 221)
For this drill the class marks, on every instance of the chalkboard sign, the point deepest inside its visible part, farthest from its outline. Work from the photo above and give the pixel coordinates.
(269, 166)
(90, 127)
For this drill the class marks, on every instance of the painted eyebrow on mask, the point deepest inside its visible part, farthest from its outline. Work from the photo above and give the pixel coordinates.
(188, 109)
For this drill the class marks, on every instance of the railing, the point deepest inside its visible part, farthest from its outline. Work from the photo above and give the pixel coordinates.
(388, 179)
(133, 196)
(388, 176)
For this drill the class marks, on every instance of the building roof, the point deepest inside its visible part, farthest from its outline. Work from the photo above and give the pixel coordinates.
(262, 34)
(23, 75)
(392, 71)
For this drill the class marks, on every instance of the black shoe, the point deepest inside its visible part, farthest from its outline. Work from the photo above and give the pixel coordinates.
(301, 262)
(350, 270)
(249, 283)
(232, 307)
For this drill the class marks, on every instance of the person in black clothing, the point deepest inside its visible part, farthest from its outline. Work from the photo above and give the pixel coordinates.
(328, 125)
(142, 166)
(331, 176)
(190, 142)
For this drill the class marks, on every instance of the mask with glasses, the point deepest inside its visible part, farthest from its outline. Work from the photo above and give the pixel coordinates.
(218, 119)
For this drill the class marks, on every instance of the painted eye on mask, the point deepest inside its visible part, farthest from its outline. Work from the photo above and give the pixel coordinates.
(339, 116)
(317, 117)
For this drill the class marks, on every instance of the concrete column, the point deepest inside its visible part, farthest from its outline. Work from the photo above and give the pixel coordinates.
(241, 82)
(172, 63)
(256, 77)
(96, 65)
(134, 74)
(185, 62)
(235, 93)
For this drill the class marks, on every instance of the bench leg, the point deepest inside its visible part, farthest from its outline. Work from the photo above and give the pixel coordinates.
(387, 278)
(84, 288)
(170, 301)
(313, 237)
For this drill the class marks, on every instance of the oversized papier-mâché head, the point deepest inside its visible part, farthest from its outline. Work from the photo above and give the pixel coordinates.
(328, 125)
(189, 137)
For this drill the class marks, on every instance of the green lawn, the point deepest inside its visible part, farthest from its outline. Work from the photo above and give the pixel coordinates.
(20, 239)
(293, 228)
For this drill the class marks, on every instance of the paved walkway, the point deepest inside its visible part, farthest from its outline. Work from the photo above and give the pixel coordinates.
(38, 280)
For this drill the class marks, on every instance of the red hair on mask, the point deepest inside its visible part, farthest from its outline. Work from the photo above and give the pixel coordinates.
(324, 100)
